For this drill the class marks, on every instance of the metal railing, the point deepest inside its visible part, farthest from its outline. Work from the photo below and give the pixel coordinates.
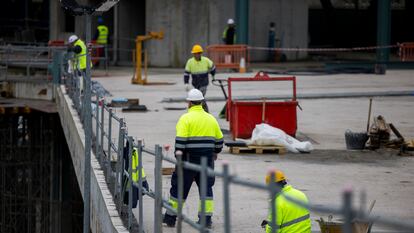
(109, 150)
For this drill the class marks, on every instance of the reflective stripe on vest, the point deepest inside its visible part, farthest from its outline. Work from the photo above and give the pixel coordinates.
(103, 34)
(303, 218)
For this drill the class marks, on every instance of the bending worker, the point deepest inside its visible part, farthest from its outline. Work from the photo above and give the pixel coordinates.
(198, 67)
(198, 135)
(77, 46)
(290, 217)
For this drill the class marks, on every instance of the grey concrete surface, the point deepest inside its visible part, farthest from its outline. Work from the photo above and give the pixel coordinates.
(322, 174)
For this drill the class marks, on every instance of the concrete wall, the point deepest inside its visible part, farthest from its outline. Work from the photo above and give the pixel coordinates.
(104, 217)
(188, 22)
(291, 19)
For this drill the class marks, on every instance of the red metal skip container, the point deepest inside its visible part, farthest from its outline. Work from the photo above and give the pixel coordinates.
(244, 115)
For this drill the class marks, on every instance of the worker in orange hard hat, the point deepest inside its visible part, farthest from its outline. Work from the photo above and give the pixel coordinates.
(290, 217)
(198, 67)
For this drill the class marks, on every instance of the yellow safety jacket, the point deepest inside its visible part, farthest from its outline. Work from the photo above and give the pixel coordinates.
(103, 35)
(291, 218)
(135, 162)
(199, 71)
(198, 132)
(81, 57)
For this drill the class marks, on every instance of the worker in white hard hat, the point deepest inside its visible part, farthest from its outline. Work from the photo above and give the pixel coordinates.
(198, 67)
(77, 46)
(198, 135)
(290, 217)
(229, 33)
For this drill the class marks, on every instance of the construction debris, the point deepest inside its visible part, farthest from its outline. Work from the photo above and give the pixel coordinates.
(135, 108)
(379, 133)
(123, 102)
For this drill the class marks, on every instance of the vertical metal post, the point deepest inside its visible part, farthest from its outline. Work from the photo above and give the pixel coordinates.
(203, 192)
(88, 133)
(347, 210)
(158, 190)
(226, 197)
(140, 187)
(242, 21)
(273, 203)
(119, 168)
(180, 176)
(116, 39)
(108, 158)
(102, 132)
(130, 179)
(383, 33)
(97, 127)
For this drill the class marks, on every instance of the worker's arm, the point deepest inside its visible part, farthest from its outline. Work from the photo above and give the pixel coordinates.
(76, 49)
(279, 216)
(219, 140)
(187, 72)
(181, 138)
(211, 67)
(223, 37)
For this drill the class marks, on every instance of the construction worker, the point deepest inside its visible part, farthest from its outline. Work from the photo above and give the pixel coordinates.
(229, 34)
(101, 38)
(290, 217)
(198, 135)
(135, 176)
(198, 67)
(77, 46)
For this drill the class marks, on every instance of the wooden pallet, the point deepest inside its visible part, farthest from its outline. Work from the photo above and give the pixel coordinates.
(258, 150)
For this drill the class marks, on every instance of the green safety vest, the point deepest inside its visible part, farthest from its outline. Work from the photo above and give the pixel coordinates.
(103, 35)
(135, 163)
(291, 218)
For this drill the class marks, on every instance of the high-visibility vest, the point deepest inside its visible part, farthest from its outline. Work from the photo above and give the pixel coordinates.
(290, 218)
(81, 57)
(135, 162)
(198, 131)
(103, 35)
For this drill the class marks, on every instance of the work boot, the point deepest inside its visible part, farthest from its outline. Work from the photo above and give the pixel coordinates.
(209, 223)
(169, 220)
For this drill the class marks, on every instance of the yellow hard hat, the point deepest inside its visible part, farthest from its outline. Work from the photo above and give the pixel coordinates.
(197, 49)
(279, 176)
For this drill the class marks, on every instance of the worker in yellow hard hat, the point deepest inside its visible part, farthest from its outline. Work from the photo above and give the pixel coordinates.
(290, 217)
(198, 67)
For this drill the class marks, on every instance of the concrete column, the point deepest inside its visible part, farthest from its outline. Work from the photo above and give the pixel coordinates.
(383, 29)
(242, 20)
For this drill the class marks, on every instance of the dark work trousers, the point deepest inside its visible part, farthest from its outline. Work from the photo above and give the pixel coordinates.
(189, 176)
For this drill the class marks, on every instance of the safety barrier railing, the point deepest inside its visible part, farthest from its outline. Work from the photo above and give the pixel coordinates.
(109, 149)
(228, 56)
(406, 51)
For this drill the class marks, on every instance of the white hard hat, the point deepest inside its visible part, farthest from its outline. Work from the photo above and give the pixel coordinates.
(72, 38)
(230, 21)
(195, 95)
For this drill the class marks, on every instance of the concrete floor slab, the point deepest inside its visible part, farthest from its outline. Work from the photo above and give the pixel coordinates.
(322, 175)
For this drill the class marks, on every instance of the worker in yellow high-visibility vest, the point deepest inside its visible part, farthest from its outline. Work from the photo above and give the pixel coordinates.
(290, 217)
(101, 38)
(135, 176)
(77, 46)
(198, 135)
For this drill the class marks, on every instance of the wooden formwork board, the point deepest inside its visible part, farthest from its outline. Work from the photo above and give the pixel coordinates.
(258, 150)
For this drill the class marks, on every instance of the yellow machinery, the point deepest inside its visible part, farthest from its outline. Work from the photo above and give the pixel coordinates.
(137, 79)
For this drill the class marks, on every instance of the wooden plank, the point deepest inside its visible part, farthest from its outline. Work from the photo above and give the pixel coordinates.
(257, 150)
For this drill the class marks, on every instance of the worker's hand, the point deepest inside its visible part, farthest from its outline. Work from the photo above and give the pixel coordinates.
(187, 87)
(215, 156)
(264, 223)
